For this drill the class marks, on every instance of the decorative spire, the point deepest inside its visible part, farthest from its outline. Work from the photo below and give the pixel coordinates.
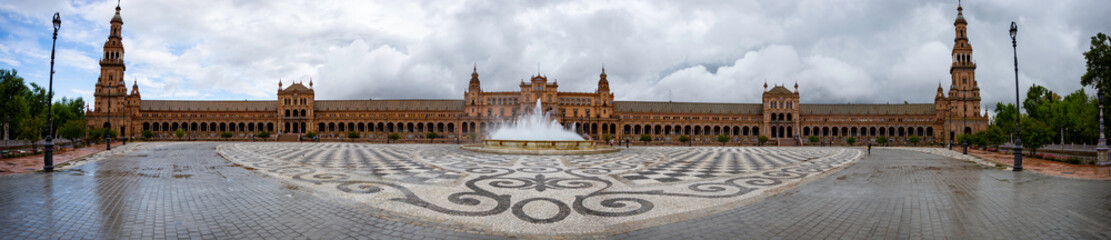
(765, 85)
(117, 18)
(475, 68)
(796, 86)
(310, 82)
(960, 14)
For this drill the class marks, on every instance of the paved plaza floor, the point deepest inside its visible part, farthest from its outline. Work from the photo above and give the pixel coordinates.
(346, 190)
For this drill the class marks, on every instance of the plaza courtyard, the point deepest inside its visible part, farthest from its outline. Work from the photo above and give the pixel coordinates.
(221, 190)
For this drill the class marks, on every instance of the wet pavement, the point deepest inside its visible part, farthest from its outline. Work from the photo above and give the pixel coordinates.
(185, 190)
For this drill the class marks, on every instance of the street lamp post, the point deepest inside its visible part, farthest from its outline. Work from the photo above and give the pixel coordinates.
(964, 126)
(1018, 131)
(48, 156)
(1101, 148)
(108, 130)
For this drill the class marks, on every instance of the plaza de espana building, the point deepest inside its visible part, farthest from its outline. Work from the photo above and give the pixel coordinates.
(779, 115)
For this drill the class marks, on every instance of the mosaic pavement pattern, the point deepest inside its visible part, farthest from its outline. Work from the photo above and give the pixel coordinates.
(525, 194)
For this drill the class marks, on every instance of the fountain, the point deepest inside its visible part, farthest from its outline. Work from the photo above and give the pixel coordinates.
(536, 133)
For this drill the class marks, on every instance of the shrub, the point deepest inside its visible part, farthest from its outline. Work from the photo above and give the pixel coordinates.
(762, 140)
(394, 136)
(147, 134)
(225, 134)
(684, 139)
(850, 140)
(179, 133)
(723, 139)
(606, 137)
(882, 140)
(431, 135)
(914, 139)
(645, 138)
(351, 135)
(310, 134)
(814, 139)
(264, 134)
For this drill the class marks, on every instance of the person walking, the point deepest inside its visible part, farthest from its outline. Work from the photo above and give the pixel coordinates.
(869, 148)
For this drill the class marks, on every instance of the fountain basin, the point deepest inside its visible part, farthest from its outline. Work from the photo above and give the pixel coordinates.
(539, 147)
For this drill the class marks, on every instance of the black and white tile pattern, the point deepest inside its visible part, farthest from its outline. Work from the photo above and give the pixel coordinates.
(538, 194)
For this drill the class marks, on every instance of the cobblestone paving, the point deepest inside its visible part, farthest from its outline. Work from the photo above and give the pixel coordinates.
(187, 191)
(896, 194)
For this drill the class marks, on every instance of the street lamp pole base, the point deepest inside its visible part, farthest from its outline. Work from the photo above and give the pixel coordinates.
(48, 156)
(1018, 158)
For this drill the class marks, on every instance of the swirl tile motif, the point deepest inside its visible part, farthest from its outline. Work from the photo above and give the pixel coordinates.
(540, 194)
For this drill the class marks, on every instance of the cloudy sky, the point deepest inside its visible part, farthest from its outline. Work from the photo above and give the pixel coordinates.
(859, 51)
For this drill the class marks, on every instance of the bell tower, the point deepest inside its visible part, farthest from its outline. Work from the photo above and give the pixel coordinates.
(110, 86)
(473, 97)
(964, 92)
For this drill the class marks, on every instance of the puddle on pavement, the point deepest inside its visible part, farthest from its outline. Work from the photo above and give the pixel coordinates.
(183, 176)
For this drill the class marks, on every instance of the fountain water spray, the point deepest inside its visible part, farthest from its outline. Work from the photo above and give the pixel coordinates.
(536, 125)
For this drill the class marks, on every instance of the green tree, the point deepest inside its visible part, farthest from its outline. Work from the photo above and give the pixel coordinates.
(723, 139)
(394, 136)
(882, 140)
(762, 139)
(1098, 62)
(994, 136)
(108, 133)
(13, 105)
(431, 136)
(353, 135)
(606, 137)
(96, 134)
(914, 139)
(310, 135)
(32, 130)
(179, 133)
(850, 140)
(147, 134)
(1035, 134)
(1005, 117)
(814, 139)
(264, 134)
(66, 110)
(226, 135)
(645, 138)
(1080, 114)
(72, 130)
(684, 139)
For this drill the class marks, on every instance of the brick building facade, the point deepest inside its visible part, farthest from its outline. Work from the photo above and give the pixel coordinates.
(779, 116)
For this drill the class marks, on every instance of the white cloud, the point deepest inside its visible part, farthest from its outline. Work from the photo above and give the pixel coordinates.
(838, 51)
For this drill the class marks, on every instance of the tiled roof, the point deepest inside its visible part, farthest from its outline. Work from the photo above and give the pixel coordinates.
(687, 107)
(296, 87)
(172, 105)
(379, 105)
(865, 109)
(780, 90)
